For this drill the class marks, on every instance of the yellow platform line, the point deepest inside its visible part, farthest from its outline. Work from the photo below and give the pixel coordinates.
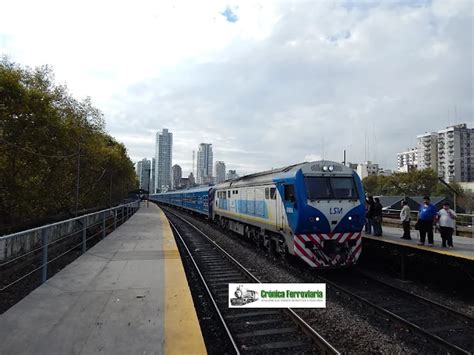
(182, 331)
(421, 247)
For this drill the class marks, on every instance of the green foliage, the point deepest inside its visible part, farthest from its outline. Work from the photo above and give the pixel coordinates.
(414, 183)
(44, 131)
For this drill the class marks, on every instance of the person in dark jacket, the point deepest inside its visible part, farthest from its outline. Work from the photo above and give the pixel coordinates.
(369, 210)
(377, 217)
(426, 216)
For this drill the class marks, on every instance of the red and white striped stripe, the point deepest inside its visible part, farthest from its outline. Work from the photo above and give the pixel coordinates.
(316, 258)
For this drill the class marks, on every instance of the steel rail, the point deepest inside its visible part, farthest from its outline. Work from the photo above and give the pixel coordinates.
(322, 343)
(461, 316)
(434, 338)
(229, 334)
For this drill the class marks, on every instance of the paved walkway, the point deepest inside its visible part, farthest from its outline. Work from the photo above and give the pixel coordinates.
(126, 295)
(463, 246)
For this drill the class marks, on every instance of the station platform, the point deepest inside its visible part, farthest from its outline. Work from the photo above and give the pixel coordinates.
(126, 295)
(463, 246)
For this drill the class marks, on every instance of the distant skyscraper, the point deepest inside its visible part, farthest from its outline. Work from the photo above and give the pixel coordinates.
(153, 176)
(220, 172)
(204, 163)
(164, 149)
(177, 175)
(232, 174)
(143, 173)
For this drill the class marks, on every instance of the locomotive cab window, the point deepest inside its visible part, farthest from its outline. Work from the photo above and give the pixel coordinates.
(290, 193)
(327, 188)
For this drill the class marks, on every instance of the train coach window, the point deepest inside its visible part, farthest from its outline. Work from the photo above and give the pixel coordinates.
(267, 193)
(228, 194)
(273, 195)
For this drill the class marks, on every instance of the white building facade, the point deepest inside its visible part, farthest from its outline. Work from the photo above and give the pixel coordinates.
(164, 153)
(427, 151)
(455, 152)
(367, 169)
(407, 160)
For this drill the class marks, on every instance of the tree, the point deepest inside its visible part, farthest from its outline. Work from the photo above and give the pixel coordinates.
(414, 183)
(44, 133)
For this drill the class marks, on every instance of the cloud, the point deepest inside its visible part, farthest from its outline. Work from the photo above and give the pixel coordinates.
(284, 83)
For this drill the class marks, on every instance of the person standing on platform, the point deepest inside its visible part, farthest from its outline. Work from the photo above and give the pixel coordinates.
(447, 222)
(377, 217)
(369, 210)
(426, 216)
(405, 218)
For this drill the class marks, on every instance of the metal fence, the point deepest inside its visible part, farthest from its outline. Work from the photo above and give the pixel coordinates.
(35, 249)
(464, 222)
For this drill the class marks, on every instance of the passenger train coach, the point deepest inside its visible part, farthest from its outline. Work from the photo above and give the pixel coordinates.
(314, 211)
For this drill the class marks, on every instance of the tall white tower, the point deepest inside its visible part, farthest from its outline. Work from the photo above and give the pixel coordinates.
(164, 153)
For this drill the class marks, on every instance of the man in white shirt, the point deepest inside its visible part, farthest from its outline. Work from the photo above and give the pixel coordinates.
(405, 218)
(447, 222)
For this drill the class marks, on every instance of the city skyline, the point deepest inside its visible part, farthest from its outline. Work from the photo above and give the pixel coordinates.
(269, 84)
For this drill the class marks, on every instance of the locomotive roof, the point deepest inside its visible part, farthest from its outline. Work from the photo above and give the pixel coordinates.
(309, 168)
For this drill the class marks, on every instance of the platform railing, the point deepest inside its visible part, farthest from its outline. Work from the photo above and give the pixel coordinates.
(21, 252)
(464, 221)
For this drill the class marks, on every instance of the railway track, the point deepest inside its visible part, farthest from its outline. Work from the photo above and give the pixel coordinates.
(439, 324)
(248, 330)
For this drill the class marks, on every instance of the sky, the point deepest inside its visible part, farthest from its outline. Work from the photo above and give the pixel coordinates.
(268, 83)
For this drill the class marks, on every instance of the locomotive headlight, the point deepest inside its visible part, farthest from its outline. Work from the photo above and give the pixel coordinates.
(350, 218)
(325, 168)
(331, 168)
(317, 219)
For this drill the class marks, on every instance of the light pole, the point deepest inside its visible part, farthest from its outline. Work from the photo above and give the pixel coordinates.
(149, 181)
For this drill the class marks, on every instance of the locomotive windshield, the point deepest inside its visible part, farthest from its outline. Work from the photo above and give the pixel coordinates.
(330, 188)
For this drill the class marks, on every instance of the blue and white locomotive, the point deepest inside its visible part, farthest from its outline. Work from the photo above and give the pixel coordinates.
(314, 211)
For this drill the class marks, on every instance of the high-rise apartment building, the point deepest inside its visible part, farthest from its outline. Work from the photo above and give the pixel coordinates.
(220, 172)
(204, 164)
(427, 150)
(164, 150)
(407, 160)
(455, 152)
(177, 176)
(143, 173)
